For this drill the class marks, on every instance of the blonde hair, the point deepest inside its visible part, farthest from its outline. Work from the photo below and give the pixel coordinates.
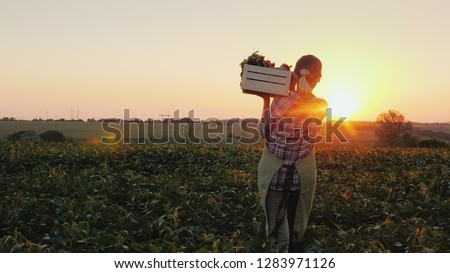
(303, 87)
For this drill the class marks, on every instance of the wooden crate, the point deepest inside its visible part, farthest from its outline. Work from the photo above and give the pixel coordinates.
(266, 80)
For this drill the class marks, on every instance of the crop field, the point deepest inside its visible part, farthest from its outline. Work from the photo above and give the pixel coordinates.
(360, 134)
(356, 133)
(74, 197)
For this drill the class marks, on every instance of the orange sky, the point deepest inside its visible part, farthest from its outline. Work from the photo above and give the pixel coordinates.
(154, 57)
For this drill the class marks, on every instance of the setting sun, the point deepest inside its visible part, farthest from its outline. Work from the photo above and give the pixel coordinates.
(342, 104)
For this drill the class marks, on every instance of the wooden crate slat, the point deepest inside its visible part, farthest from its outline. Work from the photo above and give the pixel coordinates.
(267, 80)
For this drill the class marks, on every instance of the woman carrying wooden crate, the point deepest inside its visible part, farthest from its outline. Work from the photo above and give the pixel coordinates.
(287, 168)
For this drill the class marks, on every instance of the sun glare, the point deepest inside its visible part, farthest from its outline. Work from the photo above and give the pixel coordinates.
(342, 104)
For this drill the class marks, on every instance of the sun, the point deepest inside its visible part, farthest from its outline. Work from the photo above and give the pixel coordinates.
(342, 104)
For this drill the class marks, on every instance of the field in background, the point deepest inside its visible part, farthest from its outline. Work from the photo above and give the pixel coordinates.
(357, 133)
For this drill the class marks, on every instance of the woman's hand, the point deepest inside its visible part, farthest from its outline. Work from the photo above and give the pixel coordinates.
(264, 96)
(294, 81)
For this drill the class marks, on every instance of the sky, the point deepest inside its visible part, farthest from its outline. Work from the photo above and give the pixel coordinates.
(93, 59)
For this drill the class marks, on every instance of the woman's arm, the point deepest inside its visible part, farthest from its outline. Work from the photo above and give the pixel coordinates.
(266, 105)
(264, 124)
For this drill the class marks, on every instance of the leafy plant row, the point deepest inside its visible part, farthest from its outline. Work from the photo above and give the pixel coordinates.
(67, 197)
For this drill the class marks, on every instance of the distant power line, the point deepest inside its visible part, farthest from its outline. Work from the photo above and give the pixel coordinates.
(165, 116)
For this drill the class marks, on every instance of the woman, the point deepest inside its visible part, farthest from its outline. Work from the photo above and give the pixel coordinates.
(287, 169)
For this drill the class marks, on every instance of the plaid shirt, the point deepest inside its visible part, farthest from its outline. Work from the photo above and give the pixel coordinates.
(288, 136)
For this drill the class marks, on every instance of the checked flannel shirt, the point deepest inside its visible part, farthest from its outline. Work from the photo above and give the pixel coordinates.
(288, 136)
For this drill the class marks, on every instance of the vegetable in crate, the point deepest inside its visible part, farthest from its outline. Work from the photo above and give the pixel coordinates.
(256, 59)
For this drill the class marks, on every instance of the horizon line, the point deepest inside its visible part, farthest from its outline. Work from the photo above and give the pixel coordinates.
(134, 119)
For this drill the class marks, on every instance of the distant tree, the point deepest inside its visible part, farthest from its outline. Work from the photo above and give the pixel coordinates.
(433, 143)
(394, 130)
(24, 136)
(184, 120)
(52, 136)
(168, 120)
